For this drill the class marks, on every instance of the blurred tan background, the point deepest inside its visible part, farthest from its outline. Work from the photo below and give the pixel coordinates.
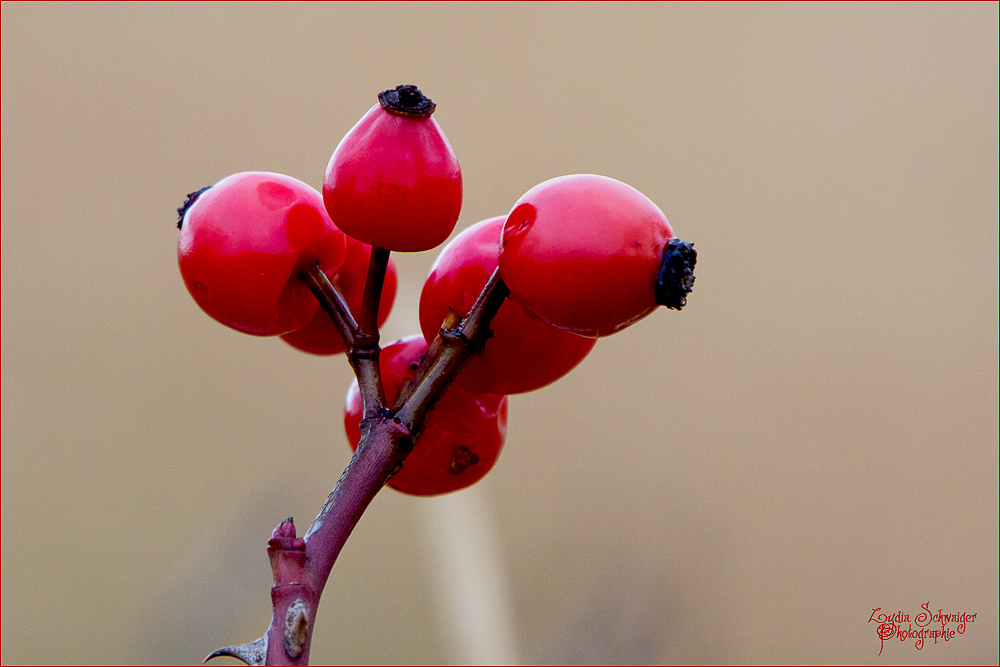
(813, 437)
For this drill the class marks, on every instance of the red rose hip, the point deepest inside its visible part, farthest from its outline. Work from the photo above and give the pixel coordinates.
(244, 241)
(592, 255)
(523, 353)
(462, 435)
(394, 181)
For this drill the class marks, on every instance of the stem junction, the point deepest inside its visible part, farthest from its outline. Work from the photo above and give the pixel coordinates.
(302, 565)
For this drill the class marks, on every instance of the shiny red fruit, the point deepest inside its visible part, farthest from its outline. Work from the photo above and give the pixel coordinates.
(524, 353)
(462, 434)
(242, 244)
(320, 335)
(394, 181)
(584, 253)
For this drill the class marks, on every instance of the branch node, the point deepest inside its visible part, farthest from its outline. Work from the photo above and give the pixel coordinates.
(453, 336)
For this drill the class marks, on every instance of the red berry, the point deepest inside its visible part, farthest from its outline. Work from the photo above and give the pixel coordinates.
(592, 255)
(320, 336)
(523, 353)
(242, 244)
(462, 434)
(394, 182)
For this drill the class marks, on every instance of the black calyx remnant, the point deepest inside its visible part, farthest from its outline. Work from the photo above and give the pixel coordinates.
(676, 276)
(188, 203)
(406, 101)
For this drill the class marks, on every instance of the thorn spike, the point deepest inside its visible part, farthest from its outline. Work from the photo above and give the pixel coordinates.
(253, 653)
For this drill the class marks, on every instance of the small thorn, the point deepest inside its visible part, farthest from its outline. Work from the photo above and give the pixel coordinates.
(253, 653)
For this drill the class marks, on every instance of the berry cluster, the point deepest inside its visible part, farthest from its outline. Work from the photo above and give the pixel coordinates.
(512, 304)
(583, 256)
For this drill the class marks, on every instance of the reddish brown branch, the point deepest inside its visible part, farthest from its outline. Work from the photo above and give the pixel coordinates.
(302, 566)
(450, 352)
